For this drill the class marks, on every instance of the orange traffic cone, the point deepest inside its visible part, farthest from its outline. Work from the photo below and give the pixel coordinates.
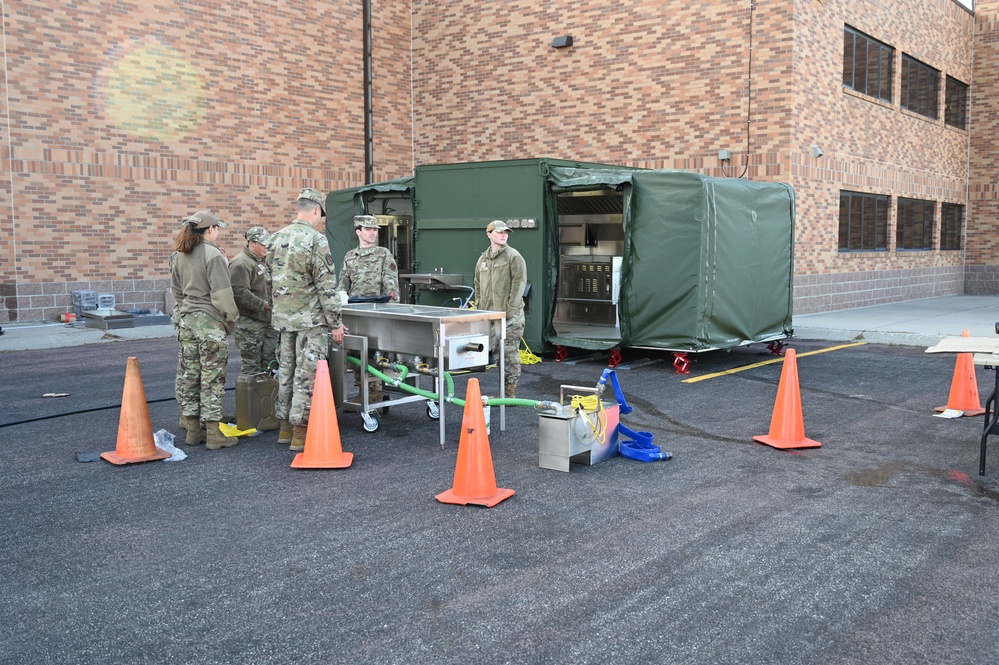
(787, 429)
(964, 386)
(474, 480)
(135, 431)
(322, 440)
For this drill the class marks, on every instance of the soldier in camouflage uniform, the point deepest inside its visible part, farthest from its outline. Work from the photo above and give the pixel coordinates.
(500, 279)
(305, 310)
(369, 271)
(204, 315)
(255, 338)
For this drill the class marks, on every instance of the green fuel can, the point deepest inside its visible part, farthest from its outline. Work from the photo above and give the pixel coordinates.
(255, 398)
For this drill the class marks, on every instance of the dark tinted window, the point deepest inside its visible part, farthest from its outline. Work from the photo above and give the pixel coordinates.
(951, 225)
(920, 87)
(914, 224)
(867, 64)
(863, 222)
(956, 104)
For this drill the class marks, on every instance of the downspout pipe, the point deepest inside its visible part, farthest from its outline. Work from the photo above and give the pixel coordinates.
(369, 139)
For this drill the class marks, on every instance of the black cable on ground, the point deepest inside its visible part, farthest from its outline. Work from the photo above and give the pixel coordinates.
(82, 411)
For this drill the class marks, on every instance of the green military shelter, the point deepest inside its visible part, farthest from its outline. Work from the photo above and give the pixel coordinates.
(616, 256)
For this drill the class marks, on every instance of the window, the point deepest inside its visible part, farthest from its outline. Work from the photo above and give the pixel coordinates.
(867, 64)
(914, 224)
(956, 104)
(863, 222)
(920, 87)
(951, 223)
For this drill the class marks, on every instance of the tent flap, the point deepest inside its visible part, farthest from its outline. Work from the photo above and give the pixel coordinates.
(343, 204)
(708, 262)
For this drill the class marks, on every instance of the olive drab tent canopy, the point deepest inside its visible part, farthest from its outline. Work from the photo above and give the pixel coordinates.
(708, 262)
(343, 204)
(704, 263)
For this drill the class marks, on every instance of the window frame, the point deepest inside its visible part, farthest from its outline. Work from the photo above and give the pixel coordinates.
(922, 97)
(950, 112)
(856, 203)
(883, 86)
(951, 226)
(914, 218)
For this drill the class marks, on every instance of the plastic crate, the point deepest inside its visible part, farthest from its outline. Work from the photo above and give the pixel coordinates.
(105, 301)
(86, 299)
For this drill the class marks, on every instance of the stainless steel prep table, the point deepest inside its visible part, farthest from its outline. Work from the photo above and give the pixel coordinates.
(443, 338)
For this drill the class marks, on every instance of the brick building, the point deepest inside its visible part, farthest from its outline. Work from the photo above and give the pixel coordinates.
(121, 118)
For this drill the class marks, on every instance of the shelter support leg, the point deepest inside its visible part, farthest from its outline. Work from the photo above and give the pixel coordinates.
(681, 362)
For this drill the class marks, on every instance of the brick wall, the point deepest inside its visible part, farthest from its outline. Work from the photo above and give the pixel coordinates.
(392, 89)
(127, 116)
(983, 191)
(643, 81)
(876, 147)
(668, 84)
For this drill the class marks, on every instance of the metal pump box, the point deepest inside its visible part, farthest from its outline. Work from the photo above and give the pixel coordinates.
(576, 437)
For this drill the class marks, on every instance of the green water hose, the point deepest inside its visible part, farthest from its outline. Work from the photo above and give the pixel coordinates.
(399, 367)
(396, 382)
(450, 398)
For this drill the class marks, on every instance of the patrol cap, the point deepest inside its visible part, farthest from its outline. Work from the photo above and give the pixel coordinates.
(313, 195)
(365, 222)
(498, 225)
(204, 219)
(257, 234)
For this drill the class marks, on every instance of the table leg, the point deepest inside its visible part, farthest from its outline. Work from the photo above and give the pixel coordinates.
(991, 417)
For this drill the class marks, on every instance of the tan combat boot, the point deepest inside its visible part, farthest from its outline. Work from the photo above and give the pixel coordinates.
(285, 434)
(195, 431)
(510, 391)
(298, 439)
(216, 439)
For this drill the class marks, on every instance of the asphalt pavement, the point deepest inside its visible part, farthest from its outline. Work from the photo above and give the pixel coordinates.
(877, 547)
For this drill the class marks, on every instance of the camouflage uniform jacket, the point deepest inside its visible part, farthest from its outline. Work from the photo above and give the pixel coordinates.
(250, 285)
(303, 281)
(499, 282)
(200, 283)
(370, 272)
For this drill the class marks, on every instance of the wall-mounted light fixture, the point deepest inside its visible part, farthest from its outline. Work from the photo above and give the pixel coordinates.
(817, 152)
(562, 42)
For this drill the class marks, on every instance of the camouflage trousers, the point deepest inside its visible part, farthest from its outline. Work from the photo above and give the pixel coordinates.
(298, 356)
(257, 343)
(511, 349)
(201, 367)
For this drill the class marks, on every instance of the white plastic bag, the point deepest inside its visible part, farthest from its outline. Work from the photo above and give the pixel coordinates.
(164, 441)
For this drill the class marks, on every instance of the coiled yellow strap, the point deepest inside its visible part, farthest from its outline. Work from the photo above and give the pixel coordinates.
(527, 356)
(585, 405)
